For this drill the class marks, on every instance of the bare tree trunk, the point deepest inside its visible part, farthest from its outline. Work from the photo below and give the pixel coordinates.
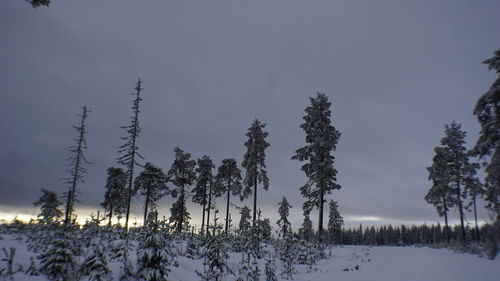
(227, 205)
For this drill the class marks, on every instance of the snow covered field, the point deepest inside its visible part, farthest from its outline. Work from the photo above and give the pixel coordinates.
(349, 263)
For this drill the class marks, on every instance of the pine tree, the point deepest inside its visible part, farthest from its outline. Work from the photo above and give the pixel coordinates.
(335, 222)
(152, 183)
(216, 256)
(440, 194)
(154, 255)
(487, 112)
(76, 169)
(254, 162)
(474, 189)
(58, 262)
(96, 265)
(130, 148)
(49, 204)
(287, 254)
(115, 197)
(283, 223)
(306, 230)
(453, 142)
(203, 185)
(228, 180)
(182, 173)
(322, 139)
(244, 224)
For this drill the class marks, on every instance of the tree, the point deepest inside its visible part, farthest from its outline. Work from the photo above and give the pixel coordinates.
(154, 255)
(182, 174)
(457, 161)
(76, 169)
(115, 197)
(474, 189)
(254, 162)
(39, 3)
(49, 205)
(152, 183)
(487, 112)
(322, 139)
(216, 259)
(283, 223)
(203, 185)
(245, 219)
(439, 194)
(306, 230)
(130, 148)
(228, 180)
(335, 222)
(58, 262)
(96, 265)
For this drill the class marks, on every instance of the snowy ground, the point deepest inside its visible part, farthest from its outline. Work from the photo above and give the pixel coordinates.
(372, 263)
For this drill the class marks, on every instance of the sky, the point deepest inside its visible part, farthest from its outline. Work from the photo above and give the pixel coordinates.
(394, 71)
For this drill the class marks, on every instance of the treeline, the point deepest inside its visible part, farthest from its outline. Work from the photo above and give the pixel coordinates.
(198, 180)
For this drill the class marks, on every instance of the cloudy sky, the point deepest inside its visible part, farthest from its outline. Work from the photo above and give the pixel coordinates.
(395, 72)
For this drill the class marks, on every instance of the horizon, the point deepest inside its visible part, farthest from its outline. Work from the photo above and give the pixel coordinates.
(395, 73)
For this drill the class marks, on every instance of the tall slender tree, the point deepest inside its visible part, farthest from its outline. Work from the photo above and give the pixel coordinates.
(115, 197)
(76, 168)
(454, 144)
(182, 174)
(474, 189)
(203, 185)
(321, 139)
(130, 148)
(283, 211)
(228, 180)
(487, 112)
(440, 194)
(254, 162)
(152, 183)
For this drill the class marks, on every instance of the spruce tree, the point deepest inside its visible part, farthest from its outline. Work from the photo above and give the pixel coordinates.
(115, 197)
(254, 162)
(335, 222)
(244, 224)
(306, 230)
(487, 112)
(152, 183)
(59, 261)
(440, 194)
(216, 256)
(228, 180)
(49, 204)
(283, 223)
(130, 148)
(154, 254)
(203, 185)
(321, 139)
(76, 168)
(182, 174)
(96, 265)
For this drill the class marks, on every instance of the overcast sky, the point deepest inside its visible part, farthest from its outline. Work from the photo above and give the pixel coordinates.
(395, 72)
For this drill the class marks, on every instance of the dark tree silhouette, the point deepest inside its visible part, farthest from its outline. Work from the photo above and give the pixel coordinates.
(130, 148)
(76, 169)
(321, 139)
(228, 180)
(254, 162)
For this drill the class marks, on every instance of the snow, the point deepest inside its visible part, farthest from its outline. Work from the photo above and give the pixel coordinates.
(373, 263)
